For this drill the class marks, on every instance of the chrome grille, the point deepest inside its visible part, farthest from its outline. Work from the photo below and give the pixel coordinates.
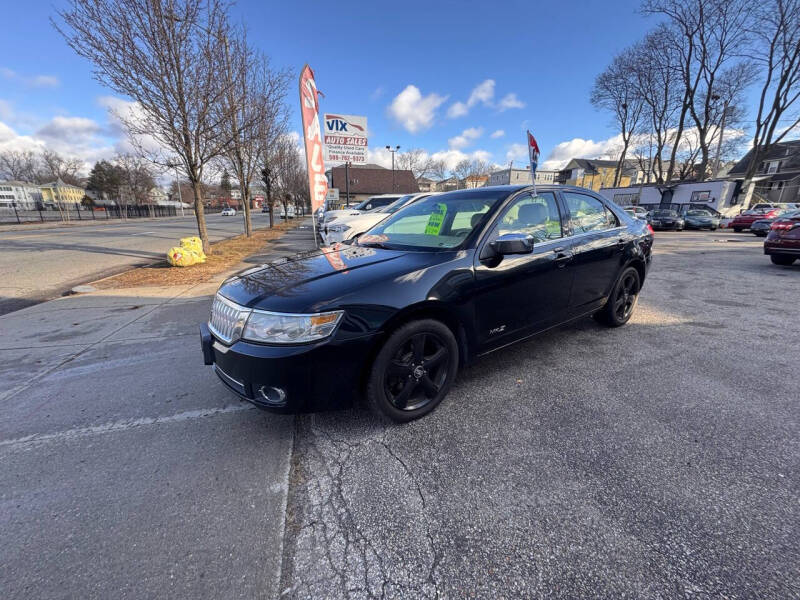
(227, 319)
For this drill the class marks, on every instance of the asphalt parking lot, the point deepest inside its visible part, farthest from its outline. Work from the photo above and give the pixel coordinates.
(656, 460)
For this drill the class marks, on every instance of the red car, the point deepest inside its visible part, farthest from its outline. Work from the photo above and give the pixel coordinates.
(748, 217)
(783, 242)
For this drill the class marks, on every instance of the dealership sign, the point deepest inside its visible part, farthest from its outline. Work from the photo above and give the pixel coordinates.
(345, 138)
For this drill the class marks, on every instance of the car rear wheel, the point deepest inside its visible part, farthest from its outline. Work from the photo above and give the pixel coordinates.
(413, 371)
(737, 229)
(620, 305)
(781, 259)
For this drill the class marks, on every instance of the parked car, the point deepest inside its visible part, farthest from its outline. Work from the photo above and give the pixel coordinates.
(369, 204)
(439, 283)
(783, 240)
(700, 219)
(265, 209)
(761, 227)
(663, 218)
(746, 218)
(228, 212)
(287, 212)
(637, 212)
(347, 227)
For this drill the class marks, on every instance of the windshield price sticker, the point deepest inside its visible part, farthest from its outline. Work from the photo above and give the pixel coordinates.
(436, 219)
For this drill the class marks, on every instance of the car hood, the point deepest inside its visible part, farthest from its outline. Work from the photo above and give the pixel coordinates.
(338, 214)
(314, 281)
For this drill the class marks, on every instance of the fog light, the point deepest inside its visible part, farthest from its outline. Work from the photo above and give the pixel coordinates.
(272, 395)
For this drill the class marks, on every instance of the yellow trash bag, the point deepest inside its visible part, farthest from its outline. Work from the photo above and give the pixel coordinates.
(192, 243)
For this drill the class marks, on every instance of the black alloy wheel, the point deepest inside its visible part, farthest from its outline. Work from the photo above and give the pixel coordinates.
(782, 259)
(413, 371)
(621, 303)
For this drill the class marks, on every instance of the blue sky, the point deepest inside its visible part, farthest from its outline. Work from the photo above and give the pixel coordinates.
(443, 76)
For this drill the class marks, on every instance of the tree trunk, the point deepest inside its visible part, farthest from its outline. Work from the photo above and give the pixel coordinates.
(620, 163)
(248, 222)
(200, 215)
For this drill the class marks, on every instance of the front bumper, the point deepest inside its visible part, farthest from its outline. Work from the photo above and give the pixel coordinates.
(290, 379)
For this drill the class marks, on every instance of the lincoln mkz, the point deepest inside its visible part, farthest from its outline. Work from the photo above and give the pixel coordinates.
(391, 317)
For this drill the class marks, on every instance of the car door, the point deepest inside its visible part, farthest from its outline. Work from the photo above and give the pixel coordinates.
(517, 295)
(598, 244)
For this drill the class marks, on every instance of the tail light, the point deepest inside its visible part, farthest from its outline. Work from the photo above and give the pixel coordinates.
(650, 229)
(771, 214)
(783, 225)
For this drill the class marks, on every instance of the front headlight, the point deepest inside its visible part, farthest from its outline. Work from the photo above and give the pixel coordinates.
(277, 328)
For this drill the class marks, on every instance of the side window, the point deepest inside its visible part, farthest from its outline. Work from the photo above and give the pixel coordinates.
(588, 214)
(537, 215)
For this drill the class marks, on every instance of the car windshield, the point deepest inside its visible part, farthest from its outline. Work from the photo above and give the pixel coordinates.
(698, 213)
(441, 222)
(665, 213)
(394, 206)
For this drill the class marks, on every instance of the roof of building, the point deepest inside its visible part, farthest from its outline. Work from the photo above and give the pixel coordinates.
(375, 181)
(60, 183)
(591, 165)
(18, 182)
(787, 152)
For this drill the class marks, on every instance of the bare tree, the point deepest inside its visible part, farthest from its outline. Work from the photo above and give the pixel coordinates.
(164, 55)
(136, 176)
(54, 166)
(254, 111)
(20, 165)
(706, 37)
(415, 160)
(615, 90)
(437, 168)
(776, 52)
(654, 66)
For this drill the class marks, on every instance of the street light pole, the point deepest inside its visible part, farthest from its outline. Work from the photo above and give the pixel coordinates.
(393, 150)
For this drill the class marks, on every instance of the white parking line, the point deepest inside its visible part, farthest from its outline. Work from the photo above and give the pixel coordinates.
(79, 432)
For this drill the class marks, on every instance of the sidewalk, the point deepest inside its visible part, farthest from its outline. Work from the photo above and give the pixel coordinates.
(128, 469)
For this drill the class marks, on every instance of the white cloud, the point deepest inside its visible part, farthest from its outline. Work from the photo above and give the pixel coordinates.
(457, 109)
(517, 152)
(562, 153)
(34, 81)
(465, 138)
(414, 111)
(497, 134)
(483, 93)
(510, 101)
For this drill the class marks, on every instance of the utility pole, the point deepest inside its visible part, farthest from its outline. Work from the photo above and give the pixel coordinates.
(347, 183)
(719, 141)
(510, 170)
(393, 150)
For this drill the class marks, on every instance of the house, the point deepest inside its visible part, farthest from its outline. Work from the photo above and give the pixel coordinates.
(475, 181)
(62, 194)
(20, 195)
(778, 176)
(426, 184)
(521, 177)
(596, 174)
(370, 180)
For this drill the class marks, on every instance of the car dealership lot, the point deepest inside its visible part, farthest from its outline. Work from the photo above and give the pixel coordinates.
(655, 460)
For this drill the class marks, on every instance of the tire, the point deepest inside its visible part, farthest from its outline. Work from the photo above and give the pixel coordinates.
(782, 259)
(413, 371)
(737, 229)
(713, 228)
(622, 301)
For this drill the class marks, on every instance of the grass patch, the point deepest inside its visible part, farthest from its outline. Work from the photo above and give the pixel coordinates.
(225, 254)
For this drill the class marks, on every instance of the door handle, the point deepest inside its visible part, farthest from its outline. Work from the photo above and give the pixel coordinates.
(562, 256)
(621, 243)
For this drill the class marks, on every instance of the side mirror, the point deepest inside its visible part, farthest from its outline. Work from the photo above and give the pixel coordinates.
(513, 243)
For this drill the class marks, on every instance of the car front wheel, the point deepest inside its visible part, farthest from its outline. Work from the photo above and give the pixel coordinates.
(413, 371)
(619, 307)
(780, 259)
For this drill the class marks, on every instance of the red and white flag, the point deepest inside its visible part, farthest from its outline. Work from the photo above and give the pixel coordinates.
(309, 109)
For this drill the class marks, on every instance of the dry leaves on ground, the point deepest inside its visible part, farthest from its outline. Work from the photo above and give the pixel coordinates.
(225, 254)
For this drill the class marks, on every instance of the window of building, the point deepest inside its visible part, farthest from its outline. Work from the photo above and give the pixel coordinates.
(626, 199)
(701, 196)
(772, 166)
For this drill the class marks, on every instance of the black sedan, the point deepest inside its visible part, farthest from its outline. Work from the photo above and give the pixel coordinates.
(667, 219)
(392, 316)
